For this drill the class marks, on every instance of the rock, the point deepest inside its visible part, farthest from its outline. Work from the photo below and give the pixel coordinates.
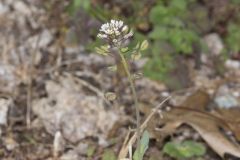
(10, 143)
(77, 115)
(46, 38)
(3, 9)
(214, 43)
(7, 77)
(165, 94)
(232, 64)
(70, 155)
(225, 97)
(226, 101)
(4, 106)
(22, 8)
(82, 148)
(58, 144)
(236, 94)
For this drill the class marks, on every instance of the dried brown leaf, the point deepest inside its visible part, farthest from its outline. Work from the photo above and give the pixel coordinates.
(206, 124)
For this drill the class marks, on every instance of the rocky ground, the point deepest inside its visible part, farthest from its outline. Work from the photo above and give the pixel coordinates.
(53, 104)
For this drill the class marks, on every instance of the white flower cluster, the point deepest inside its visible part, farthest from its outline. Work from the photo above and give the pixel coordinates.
(115, 32)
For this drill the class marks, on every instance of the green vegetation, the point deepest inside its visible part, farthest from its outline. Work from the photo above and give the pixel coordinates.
(116, 37)
(109, 155)
(184, 150)
(171, 35)
(172, 27)
(143, 147)
(233, 37)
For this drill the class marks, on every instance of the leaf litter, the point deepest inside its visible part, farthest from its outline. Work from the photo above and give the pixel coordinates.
(193, 113)
(61, 105)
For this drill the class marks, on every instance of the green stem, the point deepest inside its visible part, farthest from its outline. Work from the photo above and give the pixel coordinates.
(130, 79)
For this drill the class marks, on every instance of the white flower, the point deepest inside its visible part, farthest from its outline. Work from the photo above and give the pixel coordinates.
(112, 28)
(115, 32)
(102, 36)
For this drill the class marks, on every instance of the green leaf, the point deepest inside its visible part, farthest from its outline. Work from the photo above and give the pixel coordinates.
(233, 37)
(90, 151)
(139, 152)
(109, 155)
(124, 50)
(157, 13)
(172, 21)
(186, 149)
(76, 5)
(236, 2)
(179, 4)
(101, 51)
(159, 32)
(182, 39)
(144, 45)
(137, 46)
(160, 64)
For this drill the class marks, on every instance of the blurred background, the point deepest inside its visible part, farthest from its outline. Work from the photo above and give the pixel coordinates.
(53, 83)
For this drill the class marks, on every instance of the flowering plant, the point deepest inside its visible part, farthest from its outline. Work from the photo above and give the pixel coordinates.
(117, 36)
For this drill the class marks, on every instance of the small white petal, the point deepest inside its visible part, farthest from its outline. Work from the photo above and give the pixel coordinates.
(117, 33)
(102, 36)
(120, 24)
(125, 28)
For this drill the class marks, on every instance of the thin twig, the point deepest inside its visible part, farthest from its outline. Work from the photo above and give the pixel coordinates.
(29, 88)
(124, 150)
(92, 88)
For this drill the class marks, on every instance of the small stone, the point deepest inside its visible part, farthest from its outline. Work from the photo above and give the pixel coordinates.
(77, 115)
(4, 106)
(236, 94)
(58, 143)
(165, 94)
(42, 40)
(214, 43)
(232, 64)
(22, 8)
(196, 136)
(82, 148)
(70, 155)
(10, 143)
(186, 134)
(3, 9)
(226, 101)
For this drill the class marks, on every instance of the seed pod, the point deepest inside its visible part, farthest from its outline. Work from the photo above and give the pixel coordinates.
(110, 96)
(144, 45)
(112, 68)
(137, 75)
(136, 56)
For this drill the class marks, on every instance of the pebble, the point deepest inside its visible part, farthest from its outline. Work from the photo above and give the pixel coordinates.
(4, 106)
(214, 43)
(3, 9)
(232, 64)
(22, 8)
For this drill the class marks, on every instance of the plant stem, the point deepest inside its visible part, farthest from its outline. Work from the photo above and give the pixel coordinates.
(130, 79)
